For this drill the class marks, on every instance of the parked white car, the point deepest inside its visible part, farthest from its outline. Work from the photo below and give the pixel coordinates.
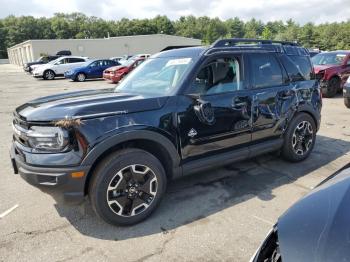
(57, 67)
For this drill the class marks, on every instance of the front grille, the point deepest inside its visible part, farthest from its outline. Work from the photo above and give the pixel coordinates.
(20, 129)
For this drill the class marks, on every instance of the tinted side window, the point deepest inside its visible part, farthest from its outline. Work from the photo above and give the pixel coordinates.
(265, 71)
(298, 67)
(75, 60)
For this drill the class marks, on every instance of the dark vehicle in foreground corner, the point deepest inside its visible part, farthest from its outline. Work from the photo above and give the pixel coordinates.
(117, 73)
(346, 93)
(45, 60)
(89, 70)
(316, 228)
(180, 112)
(333, 69)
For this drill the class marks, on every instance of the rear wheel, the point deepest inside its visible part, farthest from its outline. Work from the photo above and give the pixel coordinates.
(347, 102)
(332, 87)
(300, 138)
(49, 75)
(81, 77)
(127, 186)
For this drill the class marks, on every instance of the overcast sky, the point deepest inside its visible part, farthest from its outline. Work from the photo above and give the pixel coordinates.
(267, 10)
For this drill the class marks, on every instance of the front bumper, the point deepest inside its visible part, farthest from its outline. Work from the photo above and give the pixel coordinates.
(73, 189)
(112, 77)
(69, 76)
(37, 74)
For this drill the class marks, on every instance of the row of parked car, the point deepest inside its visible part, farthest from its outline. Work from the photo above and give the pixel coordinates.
(79, 68)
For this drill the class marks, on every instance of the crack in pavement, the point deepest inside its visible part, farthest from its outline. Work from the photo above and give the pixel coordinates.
(159, 250)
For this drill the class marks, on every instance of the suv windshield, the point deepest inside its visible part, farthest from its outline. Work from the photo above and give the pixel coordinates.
(328, 59)
(156, 76)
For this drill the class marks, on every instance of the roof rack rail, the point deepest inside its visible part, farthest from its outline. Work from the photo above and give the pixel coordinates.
(237, 41)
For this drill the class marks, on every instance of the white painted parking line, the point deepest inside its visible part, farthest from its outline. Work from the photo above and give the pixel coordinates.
(2, 215)
(263, 220)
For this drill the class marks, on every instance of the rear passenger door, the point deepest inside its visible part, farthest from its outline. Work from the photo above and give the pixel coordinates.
(272, 95)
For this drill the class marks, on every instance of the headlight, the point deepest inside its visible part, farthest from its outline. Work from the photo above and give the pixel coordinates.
(45, 138)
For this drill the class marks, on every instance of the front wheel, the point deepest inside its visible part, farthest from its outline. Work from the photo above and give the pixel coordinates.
(300, 138)
(347, 102)
(81, 77)
(49, 75)
(127, 187)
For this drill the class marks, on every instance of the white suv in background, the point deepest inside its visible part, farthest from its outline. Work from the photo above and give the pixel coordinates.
(57, 67)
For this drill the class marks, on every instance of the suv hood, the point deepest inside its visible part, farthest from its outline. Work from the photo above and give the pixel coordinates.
(318, 68)
(317, 227)
(34, 63)
(86, 104)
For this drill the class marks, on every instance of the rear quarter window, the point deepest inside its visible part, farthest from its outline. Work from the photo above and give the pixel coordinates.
(298, 68)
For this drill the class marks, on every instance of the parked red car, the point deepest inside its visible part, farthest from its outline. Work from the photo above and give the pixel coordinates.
(116, 73)
(333, 69)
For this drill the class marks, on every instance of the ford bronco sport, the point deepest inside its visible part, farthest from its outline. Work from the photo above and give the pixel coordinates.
(180, 112)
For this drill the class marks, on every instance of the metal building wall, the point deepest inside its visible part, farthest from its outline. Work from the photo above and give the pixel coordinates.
(97, 48)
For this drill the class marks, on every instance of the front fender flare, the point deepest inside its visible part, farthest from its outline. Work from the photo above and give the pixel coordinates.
(116, 139)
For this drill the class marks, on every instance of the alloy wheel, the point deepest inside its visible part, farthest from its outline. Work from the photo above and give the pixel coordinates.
(302, 138)
(132, 190)
(81, 77)
(49, 75)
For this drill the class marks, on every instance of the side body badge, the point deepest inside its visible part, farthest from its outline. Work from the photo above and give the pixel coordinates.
(192, 133)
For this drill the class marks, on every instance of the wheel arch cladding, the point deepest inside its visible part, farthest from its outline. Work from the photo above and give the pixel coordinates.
(308, 110)
(156, 144)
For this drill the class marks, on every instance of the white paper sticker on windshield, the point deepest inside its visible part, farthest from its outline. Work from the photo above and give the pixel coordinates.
(179, 61)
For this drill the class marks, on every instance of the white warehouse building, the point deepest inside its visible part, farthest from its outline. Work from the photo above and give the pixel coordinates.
(31, 50)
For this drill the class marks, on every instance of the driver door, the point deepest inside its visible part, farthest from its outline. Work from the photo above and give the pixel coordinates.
(215, 115)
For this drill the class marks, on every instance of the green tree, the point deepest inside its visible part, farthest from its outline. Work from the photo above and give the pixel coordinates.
(266, 33)
(253, 28)
(235, 28)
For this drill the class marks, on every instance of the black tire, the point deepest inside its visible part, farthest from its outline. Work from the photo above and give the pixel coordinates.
(49, 75)
(297, 147)
(106, 174)
(81, 77)
(347, 102)
(332, 87)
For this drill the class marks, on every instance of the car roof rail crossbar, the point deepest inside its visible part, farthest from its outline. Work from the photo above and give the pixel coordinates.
(239, 41)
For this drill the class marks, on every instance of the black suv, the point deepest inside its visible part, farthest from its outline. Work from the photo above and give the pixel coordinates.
(180, 112)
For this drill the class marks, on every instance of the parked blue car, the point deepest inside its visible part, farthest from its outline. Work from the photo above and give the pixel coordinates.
(91, 69)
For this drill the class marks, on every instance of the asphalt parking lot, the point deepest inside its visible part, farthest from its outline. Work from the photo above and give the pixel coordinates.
(218, 215)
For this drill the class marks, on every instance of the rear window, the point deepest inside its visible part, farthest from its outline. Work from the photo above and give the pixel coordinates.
(298, 67)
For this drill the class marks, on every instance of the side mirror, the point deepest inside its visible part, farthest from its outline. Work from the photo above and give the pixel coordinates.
(203, 110)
